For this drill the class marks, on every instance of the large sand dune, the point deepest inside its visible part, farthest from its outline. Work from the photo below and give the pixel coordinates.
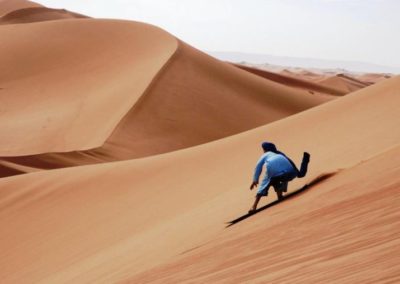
(71, 90)
(89, 97)
(108, 222)
(164, 140)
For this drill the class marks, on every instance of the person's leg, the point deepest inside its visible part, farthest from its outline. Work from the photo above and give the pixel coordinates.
(260, 193)
(280, 187)
(278, 190)
(254, 207)
(279, 193)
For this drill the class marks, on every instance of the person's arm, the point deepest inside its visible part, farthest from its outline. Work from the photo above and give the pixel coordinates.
(257, 171)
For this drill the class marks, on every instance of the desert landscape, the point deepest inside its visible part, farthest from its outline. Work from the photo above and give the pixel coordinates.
(125, 152)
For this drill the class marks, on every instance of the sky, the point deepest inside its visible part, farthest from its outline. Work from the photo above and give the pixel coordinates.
(353, 30)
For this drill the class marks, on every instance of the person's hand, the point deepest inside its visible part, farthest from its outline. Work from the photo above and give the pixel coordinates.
(253, 185)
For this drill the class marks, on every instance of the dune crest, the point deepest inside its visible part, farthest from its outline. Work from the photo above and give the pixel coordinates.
(7, 6)
(37, 14)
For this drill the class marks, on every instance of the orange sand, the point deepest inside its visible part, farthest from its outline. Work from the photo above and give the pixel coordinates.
(111, 221)
(71, 90)
(164, 140)
(185, 98)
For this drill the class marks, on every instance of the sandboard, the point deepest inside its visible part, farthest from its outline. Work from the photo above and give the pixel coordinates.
(285, 197)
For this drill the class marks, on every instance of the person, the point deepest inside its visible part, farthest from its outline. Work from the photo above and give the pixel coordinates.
(279, 171)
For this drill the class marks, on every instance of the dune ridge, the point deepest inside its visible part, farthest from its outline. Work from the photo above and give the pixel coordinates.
(37, 14)
(7, 6)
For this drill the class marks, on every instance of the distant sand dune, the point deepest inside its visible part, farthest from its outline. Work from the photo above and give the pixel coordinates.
(289, 80)
(7, 6)
(344, 83)
(373, 78)
(303, 74)
(37, 14)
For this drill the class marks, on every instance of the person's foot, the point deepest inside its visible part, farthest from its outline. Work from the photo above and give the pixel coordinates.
(252, 210)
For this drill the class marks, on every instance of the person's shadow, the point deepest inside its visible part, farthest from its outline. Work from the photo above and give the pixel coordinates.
(286, 197)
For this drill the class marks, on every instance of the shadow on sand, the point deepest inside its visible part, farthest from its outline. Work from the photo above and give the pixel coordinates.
(286, 197)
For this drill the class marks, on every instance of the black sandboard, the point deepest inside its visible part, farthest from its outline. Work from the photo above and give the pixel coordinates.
(285, 197)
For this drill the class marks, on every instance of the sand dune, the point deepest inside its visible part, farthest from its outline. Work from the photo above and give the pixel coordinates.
(302, 74)
(7, 6)
(344, 231)
(344, 83)
(37, 14)
(288, 79)
(335, 82)
(70, 91)
(373, 77)
(164, 139)
(108, 222)
(193, 99)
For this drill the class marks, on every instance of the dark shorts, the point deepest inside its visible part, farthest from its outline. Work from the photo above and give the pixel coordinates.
(279, 183)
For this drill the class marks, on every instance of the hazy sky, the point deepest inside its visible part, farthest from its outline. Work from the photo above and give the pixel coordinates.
(356, 30)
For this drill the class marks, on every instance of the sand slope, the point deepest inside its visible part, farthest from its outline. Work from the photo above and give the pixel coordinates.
(344, 230)
(96, 92)
(70, 91)
(109, 222)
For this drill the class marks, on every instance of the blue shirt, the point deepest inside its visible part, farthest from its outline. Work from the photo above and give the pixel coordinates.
(276, 165)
